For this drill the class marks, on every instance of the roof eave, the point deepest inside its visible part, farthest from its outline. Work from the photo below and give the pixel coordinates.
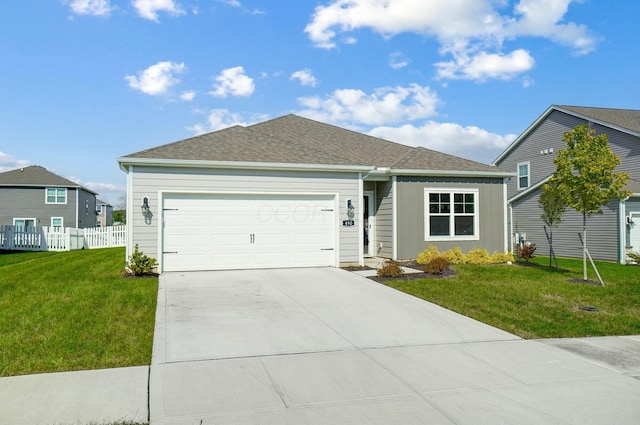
(125, 162)
(42, 185)
(452, 173)
(529, 189)
(597, 121)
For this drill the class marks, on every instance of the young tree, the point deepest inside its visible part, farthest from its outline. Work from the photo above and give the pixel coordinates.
(585, 176)
(553, 209)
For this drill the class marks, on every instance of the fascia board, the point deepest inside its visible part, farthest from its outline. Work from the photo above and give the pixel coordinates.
(452, 173)
(125, 162)
(529, 189)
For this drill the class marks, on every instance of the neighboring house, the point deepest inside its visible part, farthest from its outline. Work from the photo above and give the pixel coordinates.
(104, 213)
(610, 235)
(293, 192)
(33, 196)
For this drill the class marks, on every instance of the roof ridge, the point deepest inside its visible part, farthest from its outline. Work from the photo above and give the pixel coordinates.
(598, 108)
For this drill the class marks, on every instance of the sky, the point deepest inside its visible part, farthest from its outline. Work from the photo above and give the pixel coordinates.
(83, 82)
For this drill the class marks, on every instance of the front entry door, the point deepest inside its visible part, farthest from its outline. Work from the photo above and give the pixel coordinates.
(368, 221)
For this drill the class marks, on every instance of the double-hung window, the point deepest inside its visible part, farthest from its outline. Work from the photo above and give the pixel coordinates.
(523, 175)
(56, 195)
(451, 214)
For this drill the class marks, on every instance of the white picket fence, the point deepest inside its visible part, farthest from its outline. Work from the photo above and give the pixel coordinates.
(47, 238)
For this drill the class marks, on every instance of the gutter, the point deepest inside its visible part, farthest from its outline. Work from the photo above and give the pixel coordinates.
(452, 173)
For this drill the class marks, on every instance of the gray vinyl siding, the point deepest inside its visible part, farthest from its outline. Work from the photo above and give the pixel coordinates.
(411, 214)
(384, 219)
(86, 215)
(549, 133)
(602, 230)
(149, 181)
(30, 202)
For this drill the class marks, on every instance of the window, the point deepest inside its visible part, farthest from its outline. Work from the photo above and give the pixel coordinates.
(57, 221)
(451, 214)
(98, 209)
(24, 224)
(523, 175)
(56, 195)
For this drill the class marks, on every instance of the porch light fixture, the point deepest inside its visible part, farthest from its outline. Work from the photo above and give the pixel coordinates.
(350, 209)
(145, 205)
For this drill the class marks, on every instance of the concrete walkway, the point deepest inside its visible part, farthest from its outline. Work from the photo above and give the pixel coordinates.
(325, 346)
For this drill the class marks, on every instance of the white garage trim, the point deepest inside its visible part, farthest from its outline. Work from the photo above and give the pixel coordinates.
(237, 218)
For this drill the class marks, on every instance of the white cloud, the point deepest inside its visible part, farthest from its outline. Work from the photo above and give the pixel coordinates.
(157, 79)
(223, 118)
(149, 9)
(469, 142)
(91, 7)
(484, 66)
(232, 3)
(472, 31)
(188, 96)
(398, 60)
(9, 162)
(234, 82)
(386, 105)
(305, 77)
(103, 187)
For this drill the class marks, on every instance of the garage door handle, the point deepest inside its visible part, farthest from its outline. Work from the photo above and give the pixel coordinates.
(326, 210)
(326, 249)
(252, 238)
(170, 252)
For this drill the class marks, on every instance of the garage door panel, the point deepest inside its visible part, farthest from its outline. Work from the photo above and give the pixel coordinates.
(211, 232)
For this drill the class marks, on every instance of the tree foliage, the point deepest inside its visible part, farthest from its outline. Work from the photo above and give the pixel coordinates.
(552, 204)
(585, 177)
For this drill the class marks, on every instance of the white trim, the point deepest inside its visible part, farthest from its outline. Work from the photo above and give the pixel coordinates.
(128, 211)
(450, 173)
(518, 165)
(358, 218)
(452, 214)
(35, 220)
(56, 188)
(505, 217)
(57, 218)
(163, 193)
(510, 208)
(77, 208)
(394, 218)
(192, 163)
(622, 232)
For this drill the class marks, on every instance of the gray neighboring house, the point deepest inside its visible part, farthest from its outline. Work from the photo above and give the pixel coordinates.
(104, 213)
(33, 196)
(610, 235)
(293, 192)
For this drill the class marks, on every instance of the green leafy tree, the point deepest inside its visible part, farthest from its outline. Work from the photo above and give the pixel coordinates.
(585, 178)
(553, 208)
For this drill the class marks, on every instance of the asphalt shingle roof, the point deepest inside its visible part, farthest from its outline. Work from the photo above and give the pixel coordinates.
(295, 140)
(34, 175)
(626, 118)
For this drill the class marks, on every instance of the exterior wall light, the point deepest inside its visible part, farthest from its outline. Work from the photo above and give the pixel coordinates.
(350, 209)
(145, 205)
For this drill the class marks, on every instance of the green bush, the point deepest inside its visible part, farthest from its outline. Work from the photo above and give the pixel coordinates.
(427, 255)
(139, 264)
(437, 265)
(390, 269)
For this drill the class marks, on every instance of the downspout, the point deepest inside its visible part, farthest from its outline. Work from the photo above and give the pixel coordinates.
(394, 220)
(510, 207)
(506, 225)
(622, 231)
(360, 214)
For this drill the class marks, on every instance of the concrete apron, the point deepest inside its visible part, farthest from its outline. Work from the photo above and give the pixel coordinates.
(325, 346)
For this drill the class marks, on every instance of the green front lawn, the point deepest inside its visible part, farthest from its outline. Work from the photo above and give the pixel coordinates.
(72, 311)
(538, 302)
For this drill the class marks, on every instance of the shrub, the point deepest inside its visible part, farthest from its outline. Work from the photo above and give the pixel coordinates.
(501, 257)
(139, 264)
(437, 265)
(526, 252)
(390, 269)
(427, 255)
(635, 257)
(455, 256)
(478, 256)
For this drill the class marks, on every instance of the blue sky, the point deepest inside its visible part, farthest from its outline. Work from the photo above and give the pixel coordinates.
(84, 82)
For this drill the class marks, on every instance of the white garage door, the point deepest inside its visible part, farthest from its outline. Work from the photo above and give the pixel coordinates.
(215, 232)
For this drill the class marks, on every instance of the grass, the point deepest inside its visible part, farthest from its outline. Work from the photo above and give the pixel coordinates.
(535, 301)
(73, 311)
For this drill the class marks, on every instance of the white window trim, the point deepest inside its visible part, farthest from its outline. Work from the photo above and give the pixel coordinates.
(46, 197)
(528, 164)
(476, 215)
(57, 218)
(35, 223)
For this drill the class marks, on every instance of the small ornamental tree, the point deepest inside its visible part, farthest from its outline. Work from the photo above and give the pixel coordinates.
(553, 209)
(585, 178)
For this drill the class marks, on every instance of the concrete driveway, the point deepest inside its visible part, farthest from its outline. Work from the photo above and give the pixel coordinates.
(326, 346)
